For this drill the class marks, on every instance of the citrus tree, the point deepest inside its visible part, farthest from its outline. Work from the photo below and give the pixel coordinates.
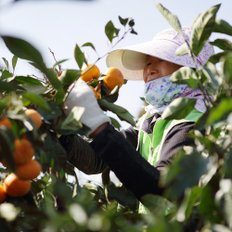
(39, 188)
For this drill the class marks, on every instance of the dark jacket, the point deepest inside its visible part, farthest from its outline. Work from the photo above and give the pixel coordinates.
(117, 150)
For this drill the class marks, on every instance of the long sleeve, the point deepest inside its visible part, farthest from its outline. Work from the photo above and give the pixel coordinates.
(129, 166)
(81, 154)
(131, 135)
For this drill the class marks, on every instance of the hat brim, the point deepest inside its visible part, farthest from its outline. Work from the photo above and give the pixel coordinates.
(131, 60)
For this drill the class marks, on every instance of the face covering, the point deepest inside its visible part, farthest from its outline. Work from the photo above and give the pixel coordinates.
(160, 92)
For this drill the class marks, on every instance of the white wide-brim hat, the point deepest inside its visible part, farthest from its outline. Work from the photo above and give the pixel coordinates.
(131, 60)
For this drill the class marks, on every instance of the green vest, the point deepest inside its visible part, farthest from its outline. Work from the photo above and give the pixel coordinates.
(150, 145)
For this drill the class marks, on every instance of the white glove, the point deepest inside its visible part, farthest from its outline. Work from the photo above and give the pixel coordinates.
(82, 95)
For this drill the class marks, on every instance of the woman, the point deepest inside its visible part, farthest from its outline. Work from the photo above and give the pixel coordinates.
(137, 155)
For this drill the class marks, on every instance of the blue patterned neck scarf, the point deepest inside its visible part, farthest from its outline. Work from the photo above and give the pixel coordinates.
(160, 92)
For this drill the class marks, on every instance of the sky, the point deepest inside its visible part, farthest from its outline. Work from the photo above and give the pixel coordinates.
(60, 25)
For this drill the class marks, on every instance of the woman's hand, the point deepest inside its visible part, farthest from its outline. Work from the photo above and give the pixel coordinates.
(94, 117)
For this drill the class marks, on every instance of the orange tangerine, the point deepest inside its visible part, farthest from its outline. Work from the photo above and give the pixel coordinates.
(90, 72)
(113, 78)
(15, 187)
(29, 170)
(23, 151)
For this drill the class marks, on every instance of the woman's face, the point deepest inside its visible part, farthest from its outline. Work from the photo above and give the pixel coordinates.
(156, 68)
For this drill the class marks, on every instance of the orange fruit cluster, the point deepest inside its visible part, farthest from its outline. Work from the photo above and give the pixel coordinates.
(18, 183)
(111, 79)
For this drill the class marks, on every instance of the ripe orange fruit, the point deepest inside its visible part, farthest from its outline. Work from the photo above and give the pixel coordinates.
(15, 187)
(34, 116)
(90, 72)
(29, 170)
(23, 151)
(113, 78)
(2, 194)
(6, 122)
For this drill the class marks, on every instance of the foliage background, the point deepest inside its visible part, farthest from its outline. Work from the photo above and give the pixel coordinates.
(202, 199)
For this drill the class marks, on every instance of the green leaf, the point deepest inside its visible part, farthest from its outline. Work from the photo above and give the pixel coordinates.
(68, 77)
(6, 74)
(6, 62)
(72, 121)
(37, 100)
(88, 44)
(202, 28)
(24, 50)
(221, 26)
(79, 56)
(210, 80)
(112, 96)
(207, 205)
(216, 58)
(54, 113)
(8, 87)
(186, 75)
(115, 123)
(123, 21)
(4, 102)
(121, 112)
(14, 61)
(220, 111)
(223, 44)
(55, 154)
(179, 108)
(171, 18)
(228, 165)
(60, 95)
(6, 151)
(52, 77)
(111, 31)
(185, 172)
(157, 204)
(182, 50)
(60, 62)
(30, 84)
(192, 197)
(122, 195)
(27, 80)
(227, 69)
(133, 32)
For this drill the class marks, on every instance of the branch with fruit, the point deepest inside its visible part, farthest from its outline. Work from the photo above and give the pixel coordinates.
(32, 117)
